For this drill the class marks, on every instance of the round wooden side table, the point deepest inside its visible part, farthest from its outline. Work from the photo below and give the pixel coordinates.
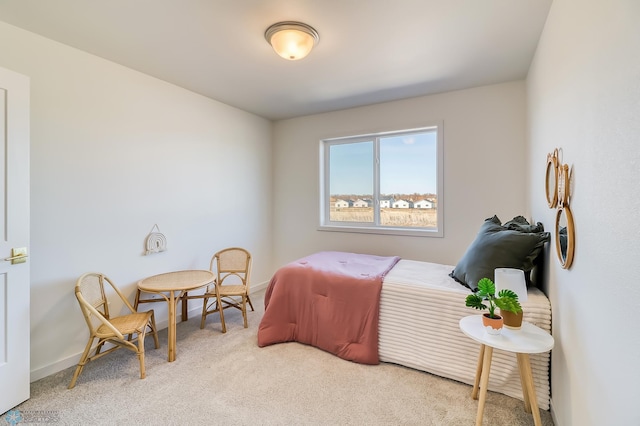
(529, 339)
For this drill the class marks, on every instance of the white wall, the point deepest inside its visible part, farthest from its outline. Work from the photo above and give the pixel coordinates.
(114, 152)
(484, 159)
(584, 97)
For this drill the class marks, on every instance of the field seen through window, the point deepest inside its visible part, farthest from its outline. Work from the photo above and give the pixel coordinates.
(400, 210)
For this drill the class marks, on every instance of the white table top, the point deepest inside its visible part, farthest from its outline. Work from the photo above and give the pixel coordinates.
(530, 339)
(176, 281)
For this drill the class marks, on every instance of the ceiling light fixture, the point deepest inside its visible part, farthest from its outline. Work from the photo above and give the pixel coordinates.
(292, 40)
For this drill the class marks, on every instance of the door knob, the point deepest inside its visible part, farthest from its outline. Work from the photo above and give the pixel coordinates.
(18, 255)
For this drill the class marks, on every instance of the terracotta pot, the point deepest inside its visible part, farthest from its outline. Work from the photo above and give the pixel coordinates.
(492, 325)
(511, 320)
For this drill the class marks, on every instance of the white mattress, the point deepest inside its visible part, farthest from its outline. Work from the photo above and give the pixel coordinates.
(420, 307)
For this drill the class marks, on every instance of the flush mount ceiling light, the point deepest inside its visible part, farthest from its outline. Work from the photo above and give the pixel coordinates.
(292, 40)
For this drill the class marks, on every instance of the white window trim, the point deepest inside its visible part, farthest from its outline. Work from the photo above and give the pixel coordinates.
(367, 228)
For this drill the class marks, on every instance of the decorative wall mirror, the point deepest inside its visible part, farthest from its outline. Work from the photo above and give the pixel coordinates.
(565, 233)
(551, 179)
(563, 186)
(565, 237)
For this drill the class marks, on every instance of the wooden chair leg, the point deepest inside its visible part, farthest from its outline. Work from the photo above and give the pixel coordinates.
(204, 312)
(250, 304)
(99, 347)
(81, 364)
(136, 302)
(221, 309)
(154, 329)
(244, 310)
(143, 372)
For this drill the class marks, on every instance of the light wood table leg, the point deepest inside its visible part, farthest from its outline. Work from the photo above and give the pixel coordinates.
(476, 383)
(530, 392)
(484, 382)
(523, 381)
(172, 327)
(185, 313)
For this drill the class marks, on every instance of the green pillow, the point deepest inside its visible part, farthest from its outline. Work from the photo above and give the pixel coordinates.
(516, 244)
(519, 223)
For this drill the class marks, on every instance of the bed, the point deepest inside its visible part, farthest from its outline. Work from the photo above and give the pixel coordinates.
(420, 307)
(372, 309)
(329, 300)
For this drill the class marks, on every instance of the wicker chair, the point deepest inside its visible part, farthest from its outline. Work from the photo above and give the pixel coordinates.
(118, 330)
(231, 287)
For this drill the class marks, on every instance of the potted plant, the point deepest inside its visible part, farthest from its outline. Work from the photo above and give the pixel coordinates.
(506, 300)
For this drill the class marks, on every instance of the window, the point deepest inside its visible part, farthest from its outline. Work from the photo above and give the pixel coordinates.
(388, 183)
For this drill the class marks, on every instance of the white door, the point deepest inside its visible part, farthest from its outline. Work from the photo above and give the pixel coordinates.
(14, 239)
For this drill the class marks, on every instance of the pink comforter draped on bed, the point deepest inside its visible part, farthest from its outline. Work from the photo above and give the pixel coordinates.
(329, 300)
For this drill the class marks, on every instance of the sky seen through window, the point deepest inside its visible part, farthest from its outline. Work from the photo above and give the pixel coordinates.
(407, 165)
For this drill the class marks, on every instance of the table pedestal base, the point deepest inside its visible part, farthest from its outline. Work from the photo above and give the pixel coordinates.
(526, 378)
(176, 285)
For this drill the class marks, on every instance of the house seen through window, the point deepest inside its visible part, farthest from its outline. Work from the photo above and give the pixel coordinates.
(383, 183)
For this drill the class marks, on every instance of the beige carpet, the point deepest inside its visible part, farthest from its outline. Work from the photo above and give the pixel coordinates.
(226, 379)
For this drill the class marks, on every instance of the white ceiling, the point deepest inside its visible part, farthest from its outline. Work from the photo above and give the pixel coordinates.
(370, 51)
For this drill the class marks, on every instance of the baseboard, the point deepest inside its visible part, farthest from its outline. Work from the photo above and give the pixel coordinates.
(72, 360)
(255, 288)
(553, 413)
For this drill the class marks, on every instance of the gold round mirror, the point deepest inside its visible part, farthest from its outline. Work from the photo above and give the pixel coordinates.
(565, 236)
(563, 185)
(551, 179)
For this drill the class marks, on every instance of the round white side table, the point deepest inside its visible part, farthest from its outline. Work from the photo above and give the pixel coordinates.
(530, 339)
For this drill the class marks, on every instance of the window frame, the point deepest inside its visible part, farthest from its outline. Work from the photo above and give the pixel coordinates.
(375, 228)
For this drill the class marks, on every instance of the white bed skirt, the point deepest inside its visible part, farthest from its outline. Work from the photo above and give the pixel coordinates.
(420, 307)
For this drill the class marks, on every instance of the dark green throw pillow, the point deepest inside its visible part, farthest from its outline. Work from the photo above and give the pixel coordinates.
(519, 223)
(516, 244)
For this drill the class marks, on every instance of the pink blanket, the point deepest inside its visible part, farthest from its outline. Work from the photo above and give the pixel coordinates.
(329, 300)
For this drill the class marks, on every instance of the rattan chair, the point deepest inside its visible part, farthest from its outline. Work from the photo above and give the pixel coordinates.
(118, 330)
(231, 287)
